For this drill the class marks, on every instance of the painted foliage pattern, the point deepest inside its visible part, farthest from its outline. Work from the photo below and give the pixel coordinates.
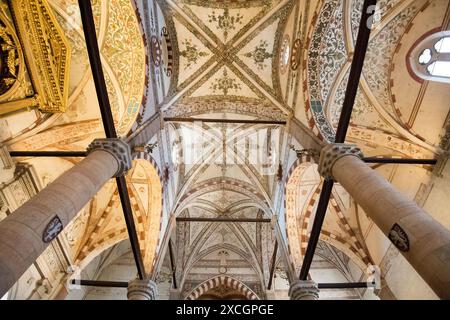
(327, 55)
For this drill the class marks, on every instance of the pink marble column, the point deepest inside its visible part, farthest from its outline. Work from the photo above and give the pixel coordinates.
(26, 233)
(423, 241)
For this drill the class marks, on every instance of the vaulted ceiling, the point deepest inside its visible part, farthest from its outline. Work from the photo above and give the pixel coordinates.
(239, 59)
(226, 50)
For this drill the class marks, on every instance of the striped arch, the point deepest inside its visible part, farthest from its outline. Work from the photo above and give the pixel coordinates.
(222, 280)
(297, 226)
(292, 231)
(146, 199)
(145, 192)
(145, 156)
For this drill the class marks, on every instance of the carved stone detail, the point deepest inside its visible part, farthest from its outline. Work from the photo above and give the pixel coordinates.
(118, 148)
(142, 290)
(304, 290)
(333, 152)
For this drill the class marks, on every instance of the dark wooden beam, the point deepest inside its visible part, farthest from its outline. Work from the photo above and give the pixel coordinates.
(59, 154)
(236, 121)
(172, 265)
(272, 266)
(222, 220)
(400, 161)
(359, 55)
(349, 285)
(98, 283)
(90, 35)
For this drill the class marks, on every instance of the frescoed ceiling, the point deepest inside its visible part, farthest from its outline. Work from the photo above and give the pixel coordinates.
(124, 63)
(381, 104)
(240, 60)
(227, 50)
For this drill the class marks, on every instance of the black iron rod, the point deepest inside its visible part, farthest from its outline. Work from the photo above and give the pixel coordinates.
(237, 121)
(98, 283)
(349, 285)
(362, 43)
(131, 226)
(316, 228)
(221, 220)
(399, 161)
(108, 123)
(172, 264)
(272, 266)
(90, 36)
(60, 154)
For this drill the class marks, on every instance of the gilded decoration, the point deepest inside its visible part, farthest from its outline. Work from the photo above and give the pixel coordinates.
(125, 53)
(9, 59)
(48, 50)
(14, 79)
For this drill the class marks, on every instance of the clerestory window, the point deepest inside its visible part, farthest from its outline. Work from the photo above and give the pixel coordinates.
(430, 59)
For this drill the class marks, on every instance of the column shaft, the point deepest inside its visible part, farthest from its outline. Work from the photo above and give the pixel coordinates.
(26, 232)
(423, 241)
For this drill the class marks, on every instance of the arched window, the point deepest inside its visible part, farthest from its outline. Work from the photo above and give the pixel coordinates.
(430, 59)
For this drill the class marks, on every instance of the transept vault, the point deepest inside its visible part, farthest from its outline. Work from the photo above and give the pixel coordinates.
(242, 150)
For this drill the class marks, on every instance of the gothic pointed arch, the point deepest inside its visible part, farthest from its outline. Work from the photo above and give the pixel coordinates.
(225, 283)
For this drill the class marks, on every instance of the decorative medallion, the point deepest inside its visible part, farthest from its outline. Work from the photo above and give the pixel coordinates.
(225, 21)
(191, 53)
(225, 84)
(285, 54)
(156, 51)
(296, 54)
(399, 238)
(52, 230)
(260, 54)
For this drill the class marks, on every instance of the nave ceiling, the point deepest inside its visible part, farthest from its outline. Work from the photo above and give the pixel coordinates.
(256, 59)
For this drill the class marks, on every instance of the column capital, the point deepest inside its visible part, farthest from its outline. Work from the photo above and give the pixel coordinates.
(142, 290)
(304, 290)
(118, 148)
(7, 166)
(333, 152)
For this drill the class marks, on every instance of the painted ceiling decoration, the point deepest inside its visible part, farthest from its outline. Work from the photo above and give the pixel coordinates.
(329, 65)
(250, 107)
(279, 60)
(226, 50)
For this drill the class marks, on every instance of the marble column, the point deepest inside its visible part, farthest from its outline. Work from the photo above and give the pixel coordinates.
(175, 294)
(304, 290)
(27, 232)
(423, 241)
(142, 290)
